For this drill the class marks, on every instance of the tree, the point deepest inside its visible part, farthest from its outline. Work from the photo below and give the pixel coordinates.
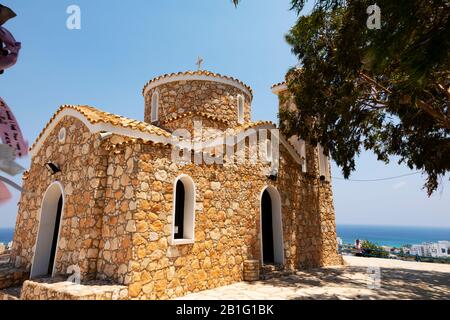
(370, 249)
(385, 90)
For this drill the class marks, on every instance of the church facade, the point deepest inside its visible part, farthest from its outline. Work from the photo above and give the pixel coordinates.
(104, 193)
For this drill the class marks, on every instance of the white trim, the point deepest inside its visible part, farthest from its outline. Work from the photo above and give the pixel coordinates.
(189, 209)
(291, 150)
(279, 88)
(44, 198)
(277, 225)
(210, 143)
(94, 128)
(107, 127)
(195, 77)
(176, 242)
(323, 163)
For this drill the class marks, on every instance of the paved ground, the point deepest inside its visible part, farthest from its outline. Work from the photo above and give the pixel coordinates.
(355, 280)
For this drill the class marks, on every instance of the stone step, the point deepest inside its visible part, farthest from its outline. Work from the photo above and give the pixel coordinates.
(270, 271)
(59, 289)
(12, 293)
(10, 276)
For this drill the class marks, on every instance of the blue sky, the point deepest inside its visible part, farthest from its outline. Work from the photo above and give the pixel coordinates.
(122, 45)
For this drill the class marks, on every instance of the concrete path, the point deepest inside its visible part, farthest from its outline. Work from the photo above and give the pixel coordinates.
(360, 278)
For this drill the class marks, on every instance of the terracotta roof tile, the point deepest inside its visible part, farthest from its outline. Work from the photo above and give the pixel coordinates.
(95, 116)
(278, 84)
(200, 72)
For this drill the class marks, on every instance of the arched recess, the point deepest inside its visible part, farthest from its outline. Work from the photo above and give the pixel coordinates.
(183, 225)
(48, 231)
(272, 248)
(240, 108)
(155, 106)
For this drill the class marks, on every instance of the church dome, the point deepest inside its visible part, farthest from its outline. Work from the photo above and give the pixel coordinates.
(174, 95)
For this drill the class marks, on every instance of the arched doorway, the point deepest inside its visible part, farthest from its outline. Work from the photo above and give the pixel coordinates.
(271, 227)
(48, 231)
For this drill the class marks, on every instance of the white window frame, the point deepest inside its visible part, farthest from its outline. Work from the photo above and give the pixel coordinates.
(62, 135)
(154, 107)
(189, 210)
(324, 169)
(240, 108)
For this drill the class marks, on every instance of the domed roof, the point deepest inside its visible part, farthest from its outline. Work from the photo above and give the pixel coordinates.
(202, 75)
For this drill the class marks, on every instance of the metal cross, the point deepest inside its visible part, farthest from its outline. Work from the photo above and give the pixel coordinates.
(199, 63)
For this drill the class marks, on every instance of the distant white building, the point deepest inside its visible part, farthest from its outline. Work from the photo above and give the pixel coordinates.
(416, 250)
(441, 249)
(444, 249)
(387, 248)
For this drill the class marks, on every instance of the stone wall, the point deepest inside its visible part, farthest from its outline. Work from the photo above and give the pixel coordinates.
(227, 223)
(213, 98)
(118, 215)
(83, 177)
(120, 207)
(320, 203)
(11, 276)
(58, 289)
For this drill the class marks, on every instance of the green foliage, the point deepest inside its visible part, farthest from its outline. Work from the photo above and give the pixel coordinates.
(384, 90)
(370, 249)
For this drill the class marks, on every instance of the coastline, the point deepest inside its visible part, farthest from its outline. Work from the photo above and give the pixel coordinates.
(393, 236)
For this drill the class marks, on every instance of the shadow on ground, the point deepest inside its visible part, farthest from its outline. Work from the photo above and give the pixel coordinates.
(352, 282)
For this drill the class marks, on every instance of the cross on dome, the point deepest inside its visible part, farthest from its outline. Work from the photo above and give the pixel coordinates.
(199, 63)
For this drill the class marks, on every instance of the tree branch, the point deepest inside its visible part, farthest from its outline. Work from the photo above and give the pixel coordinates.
(436, 114)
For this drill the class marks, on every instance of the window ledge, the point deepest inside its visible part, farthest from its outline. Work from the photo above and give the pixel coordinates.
(182, 241)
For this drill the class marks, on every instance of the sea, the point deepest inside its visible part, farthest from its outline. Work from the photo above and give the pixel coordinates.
(6, 235)
(392, 236)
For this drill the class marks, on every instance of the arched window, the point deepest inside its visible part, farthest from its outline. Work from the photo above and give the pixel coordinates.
(240, 109)
(155, 106)
(184, 210)
(268, 150)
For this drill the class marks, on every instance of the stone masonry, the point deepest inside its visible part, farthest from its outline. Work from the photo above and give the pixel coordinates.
(118, 178)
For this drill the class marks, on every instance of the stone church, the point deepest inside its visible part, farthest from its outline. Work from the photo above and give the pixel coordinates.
(104, 196)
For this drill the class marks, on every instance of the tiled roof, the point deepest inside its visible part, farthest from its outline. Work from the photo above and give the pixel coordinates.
(95, 116)
(254, 124)
(278, 84)
(201, 73)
